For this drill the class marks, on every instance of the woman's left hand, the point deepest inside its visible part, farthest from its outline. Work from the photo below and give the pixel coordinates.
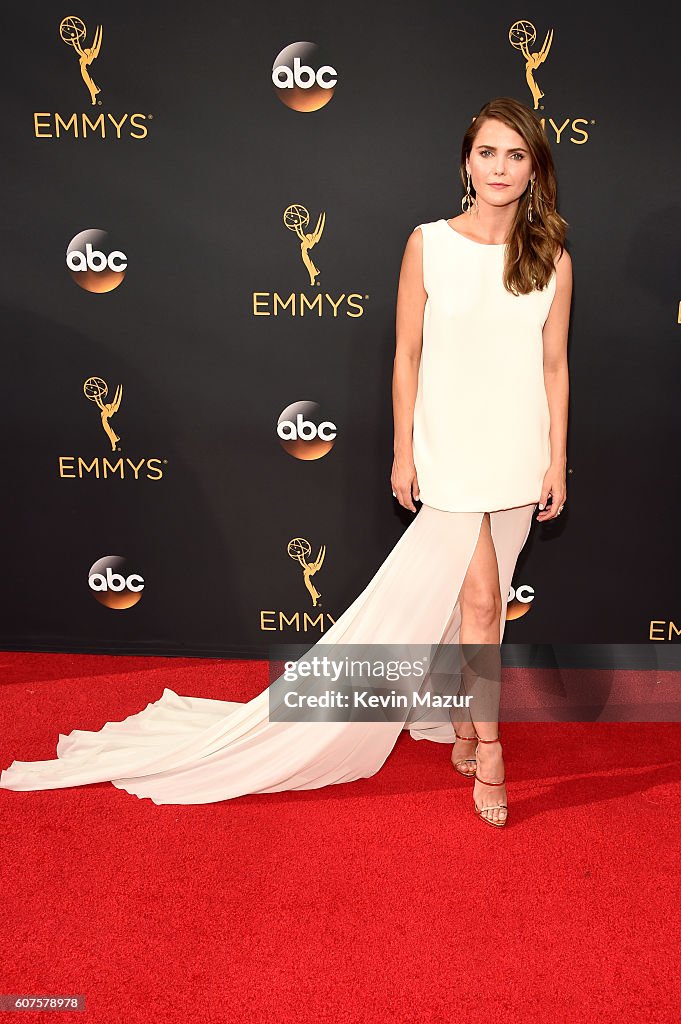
(554, 484)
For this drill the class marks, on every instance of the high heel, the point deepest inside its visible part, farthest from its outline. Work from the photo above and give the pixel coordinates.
(479, 810)
(457, 764)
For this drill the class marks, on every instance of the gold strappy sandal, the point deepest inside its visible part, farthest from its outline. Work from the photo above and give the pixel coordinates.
(458, 764)
(480, 810)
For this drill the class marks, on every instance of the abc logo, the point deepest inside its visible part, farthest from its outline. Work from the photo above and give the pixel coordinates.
(302, 81)
(519, 602)
(113, 585)
(93, 263)
(303, 433)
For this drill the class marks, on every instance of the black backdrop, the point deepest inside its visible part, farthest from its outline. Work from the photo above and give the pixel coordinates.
(197, 207)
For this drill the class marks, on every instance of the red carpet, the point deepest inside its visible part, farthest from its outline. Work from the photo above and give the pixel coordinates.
(378, 900)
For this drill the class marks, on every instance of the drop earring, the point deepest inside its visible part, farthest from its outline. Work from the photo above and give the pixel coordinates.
(529, 207)
(468, 201)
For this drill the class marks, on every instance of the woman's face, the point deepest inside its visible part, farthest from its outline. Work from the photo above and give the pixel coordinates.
(499, 154)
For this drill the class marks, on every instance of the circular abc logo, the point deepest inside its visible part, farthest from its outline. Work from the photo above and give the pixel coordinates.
(519, 601)
(303, 433)
(93, 262)
(112, 583)
(301, 78)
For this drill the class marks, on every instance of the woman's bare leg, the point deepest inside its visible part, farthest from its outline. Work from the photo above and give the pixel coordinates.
(481, 667)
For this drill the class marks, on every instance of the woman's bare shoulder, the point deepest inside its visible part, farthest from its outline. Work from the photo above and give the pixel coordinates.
(415, 240)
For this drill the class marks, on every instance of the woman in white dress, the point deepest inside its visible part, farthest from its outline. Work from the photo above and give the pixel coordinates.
(480, 396)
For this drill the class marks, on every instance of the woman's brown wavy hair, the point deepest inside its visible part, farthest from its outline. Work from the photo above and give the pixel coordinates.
(532, 246)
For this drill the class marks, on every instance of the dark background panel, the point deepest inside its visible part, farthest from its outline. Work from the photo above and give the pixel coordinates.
(197, 207)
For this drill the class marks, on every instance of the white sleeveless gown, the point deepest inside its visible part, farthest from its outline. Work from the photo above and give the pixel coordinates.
(480, 444)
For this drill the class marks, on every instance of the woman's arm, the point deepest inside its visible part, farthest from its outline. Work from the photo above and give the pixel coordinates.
(556, 382)
(411, 301)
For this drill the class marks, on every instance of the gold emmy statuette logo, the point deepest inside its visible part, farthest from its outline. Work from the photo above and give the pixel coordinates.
(87, 123)
(296, 218)
(299, 549)
(72, 31)
(522, 35)
(95, 390)
(108, 467)
(317, 303)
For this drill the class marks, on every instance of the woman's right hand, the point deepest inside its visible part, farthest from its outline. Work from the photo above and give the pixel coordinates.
(404, 482)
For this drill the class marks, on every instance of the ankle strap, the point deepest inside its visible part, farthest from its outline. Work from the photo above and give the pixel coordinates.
(489, 783)
(497, 740)
(473, 737)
